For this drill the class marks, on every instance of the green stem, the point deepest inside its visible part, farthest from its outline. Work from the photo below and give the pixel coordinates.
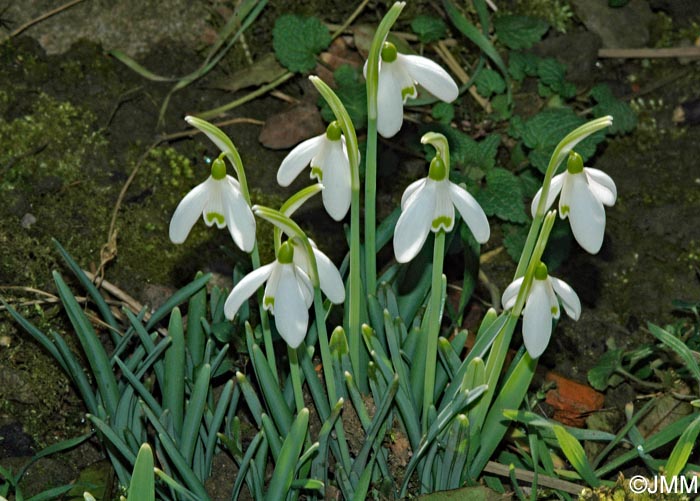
(326, 358)
(433, 325)
(371, 207)
(296, 377)
(355, 292)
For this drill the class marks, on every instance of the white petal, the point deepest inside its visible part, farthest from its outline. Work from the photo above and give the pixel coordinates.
(389, 100)
(298, 158)
(239, 217)
(410, 190)
(537, 320)
(215, 203)
(471, 212)
(511, 293)
(246, 288)
(602, 186)
(568, 297)
(444, 207)
(553, 301)
(291, 312)
(431, 76)
(329, 277)
(271, 288)
(336, 181)
(188, 211)
(307, 289)
(587, 216)
(414, 224)
(554, 189)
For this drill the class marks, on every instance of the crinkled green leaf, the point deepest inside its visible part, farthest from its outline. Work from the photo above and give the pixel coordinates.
(543, 132)
(519, 32)
(502, 196)
(501, 106)
(552, 73)
(600, 374)
(297, 41)
(514, 239)
(428, 28)
(352, 92)
(489, 82)
(464, 150)
(443, 112)
(522, 64)
(624, 118)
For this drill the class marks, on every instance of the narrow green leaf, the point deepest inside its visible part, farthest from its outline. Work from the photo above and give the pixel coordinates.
(283, 474)
(270, 388)
(195, 410)
(77, 373)
(174, 383)
(681, 451)
(143, 483)
(573, 450)
(92, 346)
(679, 347)
(195, 338)
(112, 437)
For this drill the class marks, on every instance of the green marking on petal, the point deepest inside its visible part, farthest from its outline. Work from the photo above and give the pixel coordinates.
(443, 221)
(285, 254)
(218, 168)
(565, 210)
(554, 310)
(333, 131)
(574, 164)
(268, 302)
(541, 272)
(215, 217)
(438, 169)
(317, 172)
(407, 92)
(389, 52)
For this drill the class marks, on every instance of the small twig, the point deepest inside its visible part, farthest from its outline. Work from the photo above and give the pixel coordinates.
(284, 97)
(46, 15)
(462, 75)
(349, 20)
(689, 52)
(528, 476)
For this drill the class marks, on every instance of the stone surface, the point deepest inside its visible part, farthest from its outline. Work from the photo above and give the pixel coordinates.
(292, 126)
(623, 27)
(131, 26)
(580, 63)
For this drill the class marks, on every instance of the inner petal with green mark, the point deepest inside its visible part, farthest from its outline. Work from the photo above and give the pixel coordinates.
(317, 173)
(555, 311)
(215, 217)
(268, 302)
(443, 221)
(565, 210)
(407, 92)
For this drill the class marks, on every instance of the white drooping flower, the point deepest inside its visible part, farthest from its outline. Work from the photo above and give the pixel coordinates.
(429, 204)
(328, 156)
(330, 281)
(219, 201)
(541, 306)
(398, 76)
(584, 192)
(288, 295)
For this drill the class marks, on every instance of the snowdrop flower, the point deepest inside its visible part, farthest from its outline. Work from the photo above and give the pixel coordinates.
(328, 156)
(330, 281)
(398, 76)
(541, 306)
(288, 295)
(584, 191)
(429, 204)
(219, 200)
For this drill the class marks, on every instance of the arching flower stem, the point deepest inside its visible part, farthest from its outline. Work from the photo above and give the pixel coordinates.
(371, 153)
(224, 143)
(355, 286)
(560, 153)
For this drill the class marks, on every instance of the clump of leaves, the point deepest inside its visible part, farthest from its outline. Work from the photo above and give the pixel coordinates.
(298, 40)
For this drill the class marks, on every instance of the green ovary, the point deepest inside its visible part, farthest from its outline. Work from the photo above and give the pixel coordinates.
(215, 217)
